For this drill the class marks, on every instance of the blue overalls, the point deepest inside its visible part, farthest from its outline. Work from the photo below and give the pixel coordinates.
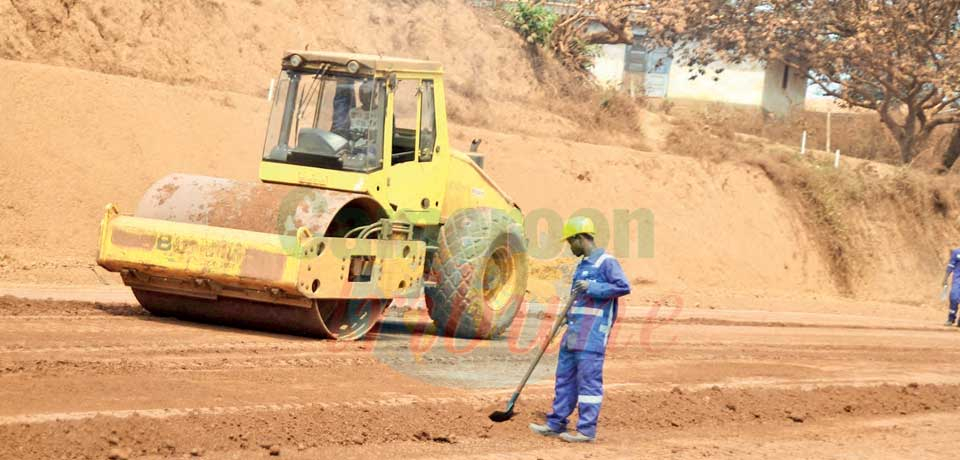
(589, 321)
(955, 285)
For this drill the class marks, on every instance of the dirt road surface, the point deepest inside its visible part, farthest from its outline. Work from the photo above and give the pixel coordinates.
(107, 380)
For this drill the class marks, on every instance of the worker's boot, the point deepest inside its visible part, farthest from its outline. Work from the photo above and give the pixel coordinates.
(576, 437)
(543, 430)
(948, 323)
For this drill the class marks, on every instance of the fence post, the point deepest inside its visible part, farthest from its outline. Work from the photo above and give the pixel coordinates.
(836, 160)
(803, 143)
(829, 113)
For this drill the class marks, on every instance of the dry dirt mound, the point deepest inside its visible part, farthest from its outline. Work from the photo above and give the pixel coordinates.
(81, 139)
(189, 98)
(102, 138)
(72, 141)
(236, 46)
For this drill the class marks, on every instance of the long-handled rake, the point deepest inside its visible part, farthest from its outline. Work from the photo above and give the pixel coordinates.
(503, 416)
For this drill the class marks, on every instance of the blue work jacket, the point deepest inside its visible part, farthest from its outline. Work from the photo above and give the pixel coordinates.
(590, 318)
(952, 268)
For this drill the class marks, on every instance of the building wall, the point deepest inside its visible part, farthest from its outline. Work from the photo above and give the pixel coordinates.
(781, 97)
(608, 67)
(750, 83)
(737, 84)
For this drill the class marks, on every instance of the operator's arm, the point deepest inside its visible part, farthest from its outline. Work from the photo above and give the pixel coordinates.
(614, 283)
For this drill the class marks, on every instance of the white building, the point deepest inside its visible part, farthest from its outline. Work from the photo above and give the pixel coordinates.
(773, 87)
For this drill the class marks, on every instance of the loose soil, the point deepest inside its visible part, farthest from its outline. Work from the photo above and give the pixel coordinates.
(90, 380)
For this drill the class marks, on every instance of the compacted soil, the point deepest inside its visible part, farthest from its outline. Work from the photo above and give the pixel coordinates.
(95, 380)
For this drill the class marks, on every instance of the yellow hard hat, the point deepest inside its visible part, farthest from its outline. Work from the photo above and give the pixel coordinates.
(577, 225)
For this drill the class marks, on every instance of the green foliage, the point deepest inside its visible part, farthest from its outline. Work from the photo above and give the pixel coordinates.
(533, 22)
(582, 54)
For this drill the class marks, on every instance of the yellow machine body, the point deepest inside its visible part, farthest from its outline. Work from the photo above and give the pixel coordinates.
(205, 261)
(286, 241)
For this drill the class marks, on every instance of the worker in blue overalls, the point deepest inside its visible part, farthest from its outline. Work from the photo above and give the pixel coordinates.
(955, 289)
(597, 283)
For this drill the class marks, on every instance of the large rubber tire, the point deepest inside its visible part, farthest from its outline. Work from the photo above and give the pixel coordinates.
(481, 270)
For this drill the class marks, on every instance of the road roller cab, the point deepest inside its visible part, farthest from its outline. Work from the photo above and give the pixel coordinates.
(362, 200)
(371, 125)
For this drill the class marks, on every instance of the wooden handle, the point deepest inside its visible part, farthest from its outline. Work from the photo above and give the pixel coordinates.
(546, 343)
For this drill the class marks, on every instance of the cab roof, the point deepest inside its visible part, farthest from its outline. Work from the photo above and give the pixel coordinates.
(368, 62)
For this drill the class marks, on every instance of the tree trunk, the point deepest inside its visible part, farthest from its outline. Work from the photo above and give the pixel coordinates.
(905, 139)
(953, 150)
(906, 149)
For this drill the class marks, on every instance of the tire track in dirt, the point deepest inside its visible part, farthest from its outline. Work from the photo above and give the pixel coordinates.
(17, 360)
(221, 360)
(130, 365)
(394, 342)
(164, 346)
(16, 308)
(8, 322)
(783, 324)
(116, 366)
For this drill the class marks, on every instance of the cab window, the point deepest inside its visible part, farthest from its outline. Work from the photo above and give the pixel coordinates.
(327, 120)
(405, 100)
(428, 121)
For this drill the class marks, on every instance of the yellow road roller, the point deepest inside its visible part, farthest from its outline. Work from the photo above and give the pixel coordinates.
(361, 201)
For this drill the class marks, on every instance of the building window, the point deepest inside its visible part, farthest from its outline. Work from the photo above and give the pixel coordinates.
(786, 76)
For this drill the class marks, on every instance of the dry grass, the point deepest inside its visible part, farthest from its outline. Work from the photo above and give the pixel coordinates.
(856, 134)
(703, 140)
(836, 204)
(587, 110)
(823, 196)
(600, 114)
(859, 135)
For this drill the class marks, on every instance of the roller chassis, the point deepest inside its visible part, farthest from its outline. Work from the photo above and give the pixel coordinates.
(320, 249)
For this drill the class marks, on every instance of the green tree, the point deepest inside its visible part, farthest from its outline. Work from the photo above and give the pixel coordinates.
(532, 20)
